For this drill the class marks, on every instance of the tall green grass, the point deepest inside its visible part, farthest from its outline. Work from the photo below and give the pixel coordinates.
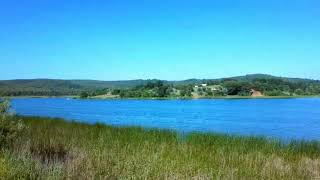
(56, 149)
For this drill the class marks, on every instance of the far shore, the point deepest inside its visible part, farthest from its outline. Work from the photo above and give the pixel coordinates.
(166, 98)
(17, 97)
(213, 98)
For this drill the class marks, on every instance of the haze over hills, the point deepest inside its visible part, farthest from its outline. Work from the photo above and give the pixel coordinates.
(71, 87)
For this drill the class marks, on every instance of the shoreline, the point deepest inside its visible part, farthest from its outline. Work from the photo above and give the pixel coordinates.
(167, 98)
(36, 97)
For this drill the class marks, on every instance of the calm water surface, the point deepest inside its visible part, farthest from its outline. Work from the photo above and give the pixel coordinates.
(280, 118)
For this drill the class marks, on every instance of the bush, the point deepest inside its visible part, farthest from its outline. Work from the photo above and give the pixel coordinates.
(275, 93)
(84, 95)
(4, 107)
(10, 126)
(299, 92)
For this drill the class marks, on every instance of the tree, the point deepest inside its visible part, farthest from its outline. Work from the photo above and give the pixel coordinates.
(234, 87)
(186, 91)
(84, 95)
(219, 90)
(4, 107)
(299, 92)
(116, 92)
(209, 93)
(200, 91)
(162, 91)
(275, 93)
(10, 127)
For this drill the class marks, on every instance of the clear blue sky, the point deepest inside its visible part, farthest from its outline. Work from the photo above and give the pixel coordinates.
(165, 39)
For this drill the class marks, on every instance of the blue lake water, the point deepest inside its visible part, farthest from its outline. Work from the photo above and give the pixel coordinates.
(279, 118)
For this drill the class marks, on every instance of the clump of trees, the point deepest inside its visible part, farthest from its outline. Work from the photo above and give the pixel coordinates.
(84, 95)
(212, 91)
(185, 91)
(10, 126)
(157, 89)
(87, 94)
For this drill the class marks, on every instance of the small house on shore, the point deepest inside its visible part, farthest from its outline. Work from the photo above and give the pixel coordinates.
(201, 85)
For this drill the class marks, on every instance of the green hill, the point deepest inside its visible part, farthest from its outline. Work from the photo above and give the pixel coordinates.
(54, 87)
(251, 77)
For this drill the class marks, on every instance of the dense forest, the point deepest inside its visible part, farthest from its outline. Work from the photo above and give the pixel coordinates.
(234, 86)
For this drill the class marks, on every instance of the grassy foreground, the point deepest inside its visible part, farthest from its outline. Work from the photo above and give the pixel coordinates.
(55, 149)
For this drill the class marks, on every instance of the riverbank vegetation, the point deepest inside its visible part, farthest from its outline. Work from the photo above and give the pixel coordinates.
(52, 148)
(45, 148)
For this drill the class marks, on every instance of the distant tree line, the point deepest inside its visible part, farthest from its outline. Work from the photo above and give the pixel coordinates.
(225, 87)
(165, 89)
(37, 93)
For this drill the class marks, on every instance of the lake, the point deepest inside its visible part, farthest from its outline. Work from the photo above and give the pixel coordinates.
(280, 118)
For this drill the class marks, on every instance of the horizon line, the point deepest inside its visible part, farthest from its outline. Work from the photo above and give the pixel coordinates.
(141, 79)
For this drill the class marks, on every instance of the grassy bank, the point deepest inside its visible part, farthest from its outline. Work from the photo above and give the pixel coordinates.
(55, 149)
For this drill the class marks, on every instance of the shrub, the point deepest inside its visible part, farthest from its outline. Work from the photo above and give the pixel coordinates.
(275, 93)
(299, 92)
(84, 95)
(10, 126)
(4, 107)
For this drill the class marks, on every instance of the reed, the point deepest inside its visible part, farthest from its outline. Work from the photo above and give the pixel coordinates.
(57, 149)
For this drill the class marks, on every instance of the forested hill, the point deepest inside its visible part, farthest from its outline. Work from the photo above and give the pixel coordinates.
(53, 87)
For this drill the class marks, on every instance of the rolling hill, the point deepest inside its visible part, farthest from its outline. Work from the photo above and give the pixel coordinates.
(56, 87)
